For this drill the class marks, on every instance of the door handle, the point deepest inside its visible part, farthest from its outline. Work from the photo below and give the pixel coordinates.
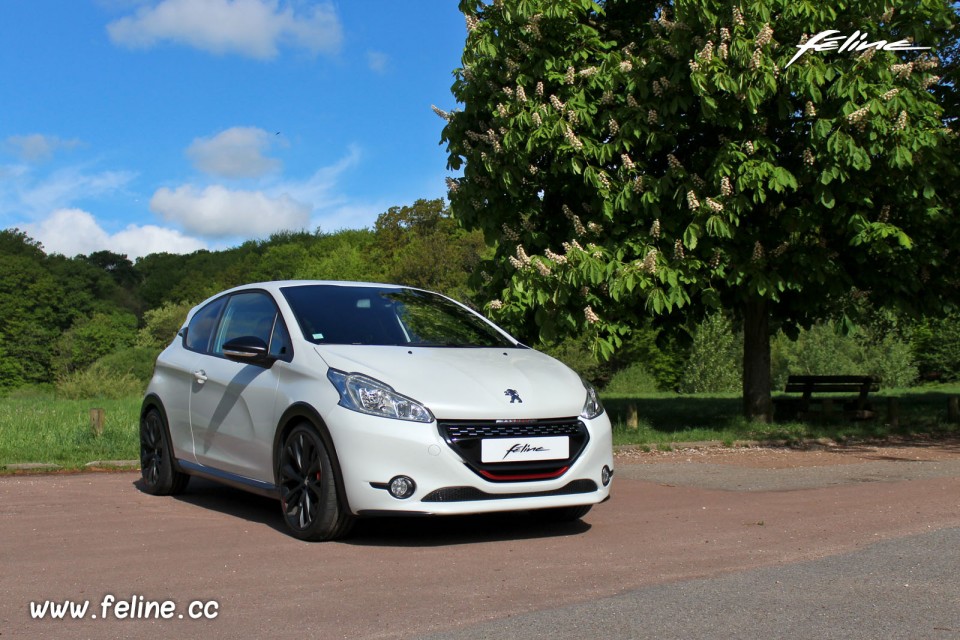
(200, 375)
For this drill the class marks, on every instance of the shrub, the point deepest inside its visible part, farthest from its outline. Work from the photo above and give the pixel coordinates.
(160, 325)
(91, 338)
(824, 350)
(715, 361)
(136, 361)
(97, 381)
(631, 380)
(936, 348)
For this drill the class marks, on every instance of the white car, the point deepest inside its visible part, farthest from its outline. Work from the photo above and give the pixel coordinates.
(347, 399)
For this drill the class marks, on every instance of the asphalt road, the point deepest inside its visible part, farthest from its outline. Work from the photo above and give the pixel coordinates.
(865, 550)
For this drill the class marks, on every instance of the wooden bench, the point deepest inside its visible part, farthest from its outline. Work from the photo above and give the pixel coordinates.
(856, 408)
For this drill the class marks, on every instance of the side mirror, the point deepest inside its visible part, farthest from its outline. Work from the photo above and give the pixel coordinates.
(248, 350)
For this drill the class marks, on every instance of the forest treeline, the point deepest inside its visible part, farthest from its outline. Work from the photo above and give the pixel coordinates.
(93, 324)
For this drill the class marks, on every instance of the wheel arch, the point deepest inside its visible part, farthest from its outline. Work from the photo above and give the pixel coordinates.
(298, 413)
(153, 401)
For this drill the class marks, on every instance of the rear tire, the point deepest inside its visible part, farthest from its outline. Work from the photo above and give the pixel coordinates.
(157, 468)
(309, 498)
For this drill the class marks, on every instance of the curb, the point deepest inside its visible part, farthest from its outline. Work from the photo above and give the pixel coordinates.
(46, 466)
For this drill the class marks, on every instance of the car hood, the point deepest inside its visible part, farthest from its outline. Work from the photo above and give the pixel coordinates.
(468, 383)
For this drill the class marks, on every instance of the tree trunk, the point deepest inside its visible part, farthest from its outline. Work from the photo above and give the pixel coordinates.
(757, 404)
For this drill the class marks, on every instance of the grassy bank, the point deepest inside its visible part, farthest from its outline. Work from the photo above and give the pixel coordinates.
(43, 428)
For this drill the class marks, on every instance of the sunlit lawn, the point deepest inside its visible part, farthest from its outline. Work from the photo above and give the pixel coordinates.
(41, 428)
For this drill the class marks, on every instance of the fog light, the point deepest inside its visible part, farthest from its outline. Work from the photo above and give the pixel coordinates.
(402, 487)
(605, 475)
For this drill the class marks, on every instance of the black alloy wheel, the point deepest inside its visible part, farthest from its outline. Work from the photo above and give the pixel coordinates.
(160, 476)
(311, 505)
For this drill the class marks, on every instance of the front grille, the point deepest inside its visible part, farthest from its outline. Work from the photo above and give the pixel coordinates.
(465, 438)
(471, 494)
(536, 428)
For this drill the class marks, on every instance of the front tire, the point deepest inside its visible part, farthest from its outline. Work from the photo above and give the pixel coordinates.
(159, 473)
(309, 499)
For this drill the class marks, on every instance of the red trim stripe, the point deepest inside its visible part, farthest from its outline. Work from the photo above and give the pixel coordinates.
(524, 476)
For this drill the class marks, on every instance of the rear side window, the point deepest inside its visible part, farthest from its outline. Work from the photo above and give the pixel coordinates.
(202, 325)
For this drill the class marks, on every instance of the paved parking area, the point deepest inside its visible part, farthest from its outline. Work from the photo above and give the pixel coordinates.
(682, 537)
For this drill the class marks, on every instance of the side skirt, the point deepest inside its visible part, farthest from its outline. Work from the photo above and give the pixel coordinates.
(243, 483)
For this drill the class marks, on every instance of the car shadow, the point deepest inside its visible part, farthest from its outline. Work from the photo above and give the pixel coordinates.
(214, 496)
(400, 531)
(441, 531)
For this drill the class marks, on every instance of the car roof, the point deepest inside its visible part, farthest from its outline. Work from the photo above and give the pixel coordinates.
(276, 285)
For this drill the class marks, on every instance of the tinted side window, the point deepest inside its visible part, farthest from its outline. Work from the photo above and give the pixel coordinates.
(202, 325)
(247, 314)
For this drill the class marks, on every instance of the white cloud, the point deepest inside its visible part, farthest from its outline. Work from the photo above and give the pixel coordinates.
(23, 194)
(37, 147)
(73, 231)
(234, 153)
(218, 212)
(215, 211)
(254, 28)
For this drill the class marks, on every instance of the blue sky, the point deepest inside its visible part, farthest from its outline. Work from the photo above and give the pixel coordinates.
(141, 126)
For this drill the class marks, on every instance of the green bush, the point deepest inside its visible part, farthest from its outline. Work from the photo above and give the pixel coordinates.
(160, 325)
(137, 361)
(824, 350)
(715, 361)
(936, 348)
(632, 379)
(97, 381)
(91, 338)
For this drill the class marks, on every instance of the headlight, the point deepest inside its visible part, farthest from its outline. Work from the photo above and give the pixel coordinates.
(367, 395)
(591, 407)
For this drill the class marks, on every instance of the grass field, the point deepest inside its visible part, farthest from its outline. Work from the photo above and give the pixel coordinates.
(40, 428)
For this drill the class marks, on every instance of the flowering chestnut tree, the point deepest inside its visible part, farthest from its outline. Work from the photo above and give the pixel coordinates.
(633, 158)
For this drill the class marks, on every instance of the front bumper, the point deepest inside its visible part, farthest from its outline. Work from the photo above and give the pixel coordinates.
(373, 450)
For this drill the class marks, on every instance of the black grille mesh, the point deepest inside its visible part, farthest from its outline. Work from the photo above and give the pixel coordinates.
(462, 430)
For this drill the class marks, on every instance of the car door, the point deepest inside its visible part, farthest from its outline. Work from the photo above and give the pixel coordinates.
(177, 369)
(232, 413)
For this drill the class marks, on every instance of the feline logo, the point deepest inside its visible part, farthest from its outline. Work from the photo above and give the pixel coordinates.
(826, 41)
(524, 448)
(514, 396)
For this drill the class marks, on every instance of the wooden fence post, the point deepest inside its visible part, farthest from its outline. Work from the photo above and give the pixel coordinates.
(893, 412)
(953, 409)
(97, 418)
(632, 421)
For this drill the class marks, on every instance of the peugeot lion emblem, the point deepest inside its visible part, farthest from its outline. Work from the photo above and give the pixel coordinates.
(514, 396)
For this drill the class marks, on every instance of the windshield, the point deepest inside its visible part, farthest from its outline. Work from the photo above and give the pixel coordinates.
(335, 314)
